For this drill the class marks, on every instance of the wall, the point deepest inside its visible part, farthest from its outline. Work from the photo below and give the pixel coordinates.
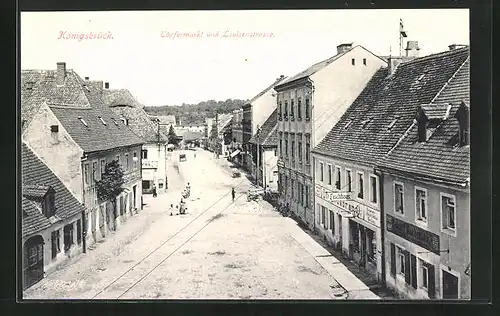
(156, 157)
(458, 257)
(262, 108)
(338, 85)
(270, 161)
(59, 151)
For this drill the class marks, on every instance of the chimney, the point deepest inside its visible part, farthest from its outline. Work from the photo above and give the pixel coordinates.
(87, 78)
(106, 85)
(393, 62)
(412, 49)
(455, 46)
(342, 48)
(61, 73)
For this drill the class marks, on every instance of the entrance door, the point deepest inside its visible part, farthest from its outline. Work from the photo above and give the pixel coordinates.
(33, 261)
(450, 286)
(134, 189)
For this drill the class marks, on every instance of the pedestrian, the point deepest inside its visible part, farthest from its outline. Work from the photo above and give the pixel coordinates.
(194, 155)
(154, 191)
(171, 209)
(233, 193)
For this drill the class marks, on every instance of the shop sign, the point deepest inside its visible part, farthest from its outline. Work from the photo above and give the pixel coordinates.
(359, 210)
(415, 234)
(331, 196)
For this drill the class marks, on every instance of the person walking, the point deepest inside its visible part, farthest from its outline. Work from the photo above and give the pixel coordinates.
(171, 209)
(154, 191)
(233, 193)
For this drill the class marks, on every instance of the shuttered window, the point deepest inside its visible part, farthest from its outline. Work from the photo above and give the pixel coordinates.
(413, 264)
(393, 260)
(332, 222)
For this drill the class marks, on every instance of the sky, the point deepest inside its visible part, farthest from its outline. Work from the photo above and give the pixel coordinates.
(140, 55)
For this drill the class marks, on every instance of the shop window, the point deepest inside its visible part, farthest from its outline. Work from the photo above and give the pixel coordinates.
(338, 184)
(349, 180)
(421, 204)
(361, 185)
(398, 198)
(371, 245)
(56, 243)
(448, 212)
(68, 236)
(373, 189)
(329, 174)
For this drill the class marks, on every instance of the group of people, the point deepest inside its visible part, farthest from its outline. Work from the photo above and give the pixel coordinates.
(181, 208)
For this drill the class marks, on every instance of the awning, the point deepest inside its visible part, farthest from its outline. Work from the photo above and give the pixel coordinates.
(234, 153)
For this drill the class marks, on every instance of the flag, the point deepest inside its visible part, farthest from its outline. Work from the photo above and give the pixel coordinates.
(401, 29)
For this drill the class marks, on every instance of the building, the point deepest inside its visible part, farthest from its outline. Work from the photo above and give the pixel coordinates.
(153, 153)
(220, 134)
(166, 121)
(309, 104)
(66, 123)
(266, 142)
(51, 219)
(349, 197)
(427, 198)
(255, 113)
(236, 147)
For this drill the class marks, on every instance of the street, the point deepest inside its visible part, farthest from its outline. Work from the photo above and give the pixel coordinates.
(218, 250)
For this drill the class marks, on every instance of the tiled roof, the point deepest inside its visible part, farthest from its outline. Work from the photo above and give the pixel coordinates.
(36, 174)
(268, 134)
(439, 157)
(36, 191)
(436, 111)
(76, 98)
(124, 105)
(190, 136)
(386, 108)
(165, 119)
(275, 83)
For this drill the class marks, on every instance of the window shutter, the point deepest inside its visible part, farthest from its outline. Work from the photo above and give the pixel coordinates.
(407, 267)
(431, 287)
(393, 260)
(413, 263)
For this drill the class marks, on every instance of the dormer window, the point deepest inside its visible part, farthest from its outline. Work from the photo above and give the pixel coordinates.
(83, 122)
(54, 128)
(48, 204)
(102, 120)
(429, 117)
(125, 121)
(462, 116)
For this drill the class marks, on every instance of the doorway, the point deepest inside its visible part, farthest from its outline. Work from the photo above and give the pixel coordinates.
(450, 286)
(33, 261)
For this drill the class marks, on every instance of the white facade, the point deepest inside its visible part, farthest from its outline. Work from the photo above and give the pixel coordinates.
(154, 167)
(270, 168)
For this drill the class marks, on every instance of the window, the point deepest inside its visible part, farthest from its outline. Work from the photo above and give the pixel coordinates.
(54, 128)
(49, 206)
(364, 61)
(425, 276)
(125, 121)
(330, 174)
(292, 136)
(371, 245)
(94, 170)
(448, 212)
(102, 120)
(308, 149)
(286, 145)
(308, 202)
(308, 109)
(56, 243)
(32, 256)
(321, 171)
(144, 153)
(299, 109)
(421, 204)
(402, 262)
(280, 111)
(68, 236)
(353, 61)
(280, 138)
(398, 198)
(332, 222)
(299, 139)
(292, 110)
(323, 216)
(117, 158)
(338, 184)
(86, 173)
(103, 166)
(349, 180)
(361, 185)
(285, 115)
(293, 188)
(126, 162)
(373, 189)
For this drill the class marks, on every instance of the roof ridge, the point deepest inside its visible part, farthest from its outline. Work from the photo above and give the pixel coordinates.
(450, 79)
(269, 134)
(435, 55)
(51, 170)
(68, 106)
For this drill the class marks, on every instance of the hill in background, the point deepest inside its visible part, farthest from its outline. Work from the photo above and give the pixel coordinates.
(195, 114)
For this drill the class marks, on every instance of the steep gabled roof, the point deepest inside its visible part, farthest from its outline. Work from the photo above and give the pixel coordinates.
(36, 176)
(260, 94)
(268, 134)
(124, 105)
(386, 108)
(440, 157)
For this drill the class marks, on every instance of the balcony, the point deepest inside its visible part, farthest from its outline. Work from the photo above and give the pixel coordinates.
(149, 164)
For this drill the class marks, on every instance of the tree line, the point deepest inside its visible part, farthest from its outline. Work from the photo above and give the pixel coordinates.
(195, 114)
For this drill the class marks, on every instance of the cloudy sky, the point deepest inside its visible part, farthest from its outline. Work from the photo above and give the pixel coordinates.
(165, 71)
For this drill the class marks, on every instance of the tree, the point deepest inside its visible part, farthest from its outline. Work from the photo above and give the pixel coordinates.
(172, 137)
(111, 184)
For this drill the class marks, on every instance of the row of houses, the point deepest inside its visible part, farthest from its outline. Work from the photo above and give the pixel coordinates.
(71, 129)
(372, 153)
